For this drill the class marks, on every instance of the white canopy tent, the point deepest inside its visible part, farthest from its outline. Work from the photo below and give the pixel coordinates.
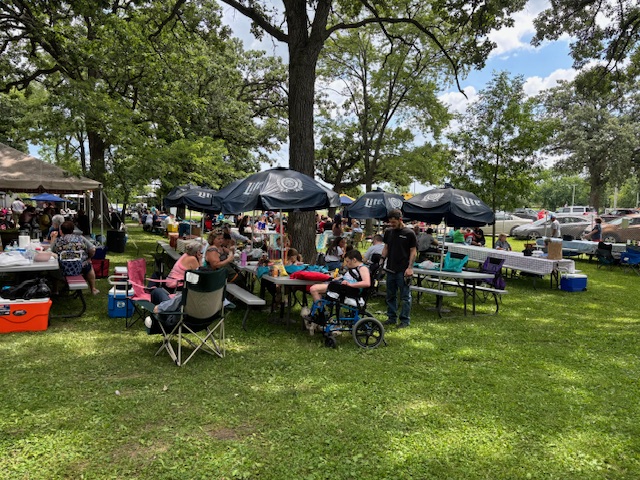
(25, 173)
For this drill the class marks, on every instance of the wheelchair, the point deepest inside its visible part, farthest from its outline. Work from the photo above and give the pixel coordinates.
(337, 314)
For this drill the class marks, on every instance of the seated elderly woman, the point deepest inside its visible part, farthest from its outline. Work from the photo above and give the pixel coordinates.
(190, 260)
(69, 242)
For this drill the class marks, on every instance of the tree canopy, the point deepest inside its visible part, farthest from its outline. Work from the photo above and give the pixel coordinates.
(496, 148)
(457, 28)
(596, 130)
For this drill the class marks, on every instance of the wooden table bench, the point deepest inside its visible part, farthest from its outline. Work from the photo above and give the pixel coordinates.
(246, 297)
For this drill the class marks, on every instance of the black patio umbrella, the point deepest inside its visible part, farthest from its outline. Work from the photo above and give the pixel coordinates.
(457, 208)
(196, 198)
(280, 189)
(376, 205)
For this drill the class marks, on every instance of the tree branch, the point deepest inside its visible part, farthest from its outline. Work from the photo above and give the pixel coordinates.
(259, 19)
(408, 21)
(174, 12)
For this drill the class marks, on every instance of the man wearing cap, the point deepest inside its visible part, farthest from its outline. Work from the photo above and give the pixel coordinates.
(555, 227)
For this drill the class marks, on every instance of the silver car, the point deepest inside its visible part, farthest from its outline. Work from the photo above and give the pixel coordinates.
(505, 222)
(573, 225)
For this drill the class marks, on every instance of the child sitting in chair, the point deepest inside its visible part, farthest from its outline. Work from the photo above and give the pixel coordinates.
(356, 277)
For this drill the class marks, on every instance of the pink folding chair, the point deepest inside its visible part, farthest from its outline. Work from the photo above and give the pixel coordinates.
(137, 280)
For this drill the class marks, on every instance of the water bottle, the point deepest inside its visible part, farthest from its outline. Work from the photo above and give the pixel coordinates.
(243, 258)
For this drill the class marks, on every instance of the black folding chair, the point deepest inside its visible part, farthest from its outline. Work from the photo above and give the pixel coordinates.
(200, 320)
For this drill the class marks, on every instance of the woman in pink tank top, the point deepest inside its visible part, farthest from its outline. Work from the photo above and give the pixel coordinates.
(190, 260)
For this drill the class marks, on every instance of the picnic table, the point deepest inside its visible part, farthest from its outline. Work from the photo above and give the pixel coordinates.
(517, 261)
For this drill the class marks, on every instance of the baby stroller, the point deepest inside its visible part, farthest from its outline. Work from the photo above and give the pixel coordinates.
(340, 313)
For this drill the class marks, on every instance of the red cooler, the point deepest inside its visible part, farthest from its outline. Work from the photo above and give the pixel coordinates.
(24, 315)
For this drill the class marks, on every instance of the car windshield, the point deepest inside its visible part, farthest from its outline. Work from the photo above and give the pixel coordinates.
(539, 222)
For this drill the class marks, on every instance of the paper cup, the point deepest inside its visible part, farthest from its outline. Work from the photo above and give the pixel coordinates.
(23, 241)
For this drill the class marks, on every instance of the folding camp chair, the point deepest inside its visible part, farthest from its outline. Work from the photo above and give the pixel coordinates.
(494, 266)
(201, 316)
(604, 255)
(137, 280)
(630, 259)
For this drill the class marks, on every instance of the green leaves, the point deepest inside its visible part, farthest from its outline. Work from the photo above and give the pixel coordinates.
(496, 146)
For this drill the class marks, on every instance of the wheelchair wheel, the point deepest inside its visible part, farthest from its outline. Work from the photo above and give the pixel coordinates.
(368, 332)
(330, 341)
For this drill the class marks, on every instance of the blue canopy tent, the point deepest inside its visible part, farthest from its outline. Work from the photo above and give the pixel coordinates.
(48, 197)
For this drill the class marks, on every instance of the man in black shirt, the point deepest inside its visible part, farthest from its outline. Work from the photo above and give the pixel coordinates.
(400, 253)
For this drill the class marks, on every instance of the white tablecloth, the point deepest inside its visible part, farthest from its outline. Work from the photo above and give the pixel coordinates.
(514, 260)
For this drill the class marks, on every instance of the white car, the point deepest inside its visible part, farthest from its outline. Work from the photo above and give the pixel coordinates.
(505, 223)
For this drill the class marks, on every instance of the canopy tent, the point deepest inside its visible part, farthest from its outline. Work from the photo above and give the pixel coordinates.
(25, 173)
(375, 204)
(47, 197)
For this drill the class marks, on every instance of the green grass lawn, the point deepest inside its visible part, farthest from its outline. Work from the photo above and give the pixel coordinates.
(546, 389)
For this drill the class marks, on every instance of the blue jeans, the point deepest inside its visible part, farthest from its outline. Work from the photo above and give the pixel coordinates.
(395, 282)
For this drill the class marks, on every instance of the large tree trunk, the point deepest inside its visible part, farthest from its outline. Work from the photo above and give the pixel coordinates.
(303, 57)
(97, 169)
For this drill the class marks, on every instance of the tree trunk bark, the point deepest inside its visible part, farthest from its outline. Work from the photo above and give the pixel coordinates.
(97, 169)
(303, 57)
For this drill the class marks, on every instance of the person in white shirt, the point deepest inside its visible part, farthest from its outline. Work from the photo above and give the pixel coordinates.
(17, 207)
(555, 227)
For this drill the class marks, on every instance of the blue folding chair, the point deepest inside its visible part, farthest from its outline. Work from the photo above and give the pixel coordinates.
(630, 259)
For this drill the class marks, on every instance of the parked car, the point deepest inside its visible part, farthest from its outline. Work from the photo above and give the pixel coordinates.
(576, 209)
(618, 212)
(505, 223)
(573, 225)
(621, 229)
(529, 213)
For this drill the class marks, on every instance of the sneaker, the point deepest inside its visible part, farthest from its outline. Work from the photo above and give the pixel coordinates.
(403, 325)
(389, 323)
(229, 305)
(148, 322)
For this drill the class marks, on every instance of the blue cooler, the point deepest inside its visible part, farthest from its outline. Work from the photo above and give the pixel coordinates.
(573, 282)
(119, 304)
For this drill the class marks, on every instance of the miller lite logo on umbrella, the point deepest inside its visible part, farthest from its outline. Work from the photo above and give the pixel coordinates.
(375, 205)
(456, 208)
(277, 189)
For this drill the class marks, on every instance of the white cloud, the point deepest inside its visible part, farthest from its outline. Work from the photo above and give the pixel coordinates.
(456, 101)
(517, 37)
(534, 85)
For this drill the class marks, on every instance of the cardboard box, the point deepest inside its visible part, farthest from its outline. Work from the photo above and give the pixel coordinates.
(120, 306)
(24, 315)
(554, 249)
(573, 283)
